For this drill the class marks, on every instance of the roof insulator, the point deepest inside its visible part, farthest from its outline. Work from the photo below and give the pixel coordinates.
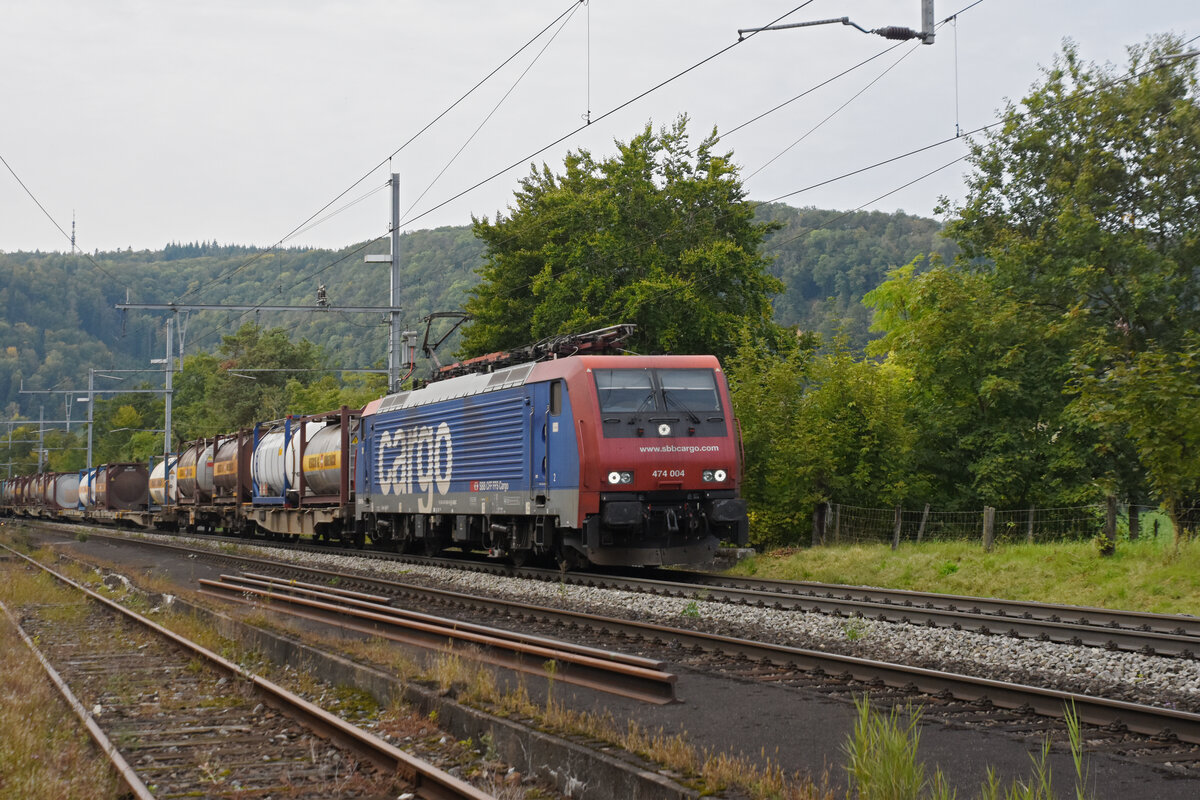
(897, 32)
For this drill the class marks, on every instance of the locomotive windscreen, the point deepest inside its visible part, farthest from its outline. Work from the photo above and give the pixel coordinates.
(624, 389)
(695, 389)
(634, 390)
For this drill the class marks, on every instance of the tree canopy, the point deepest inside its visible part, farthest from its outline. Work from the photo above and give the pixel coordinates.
(1048, 355)
(658, 234)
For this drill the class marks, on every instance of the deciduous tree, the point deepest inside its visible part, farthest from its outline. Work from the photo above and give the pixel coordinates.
(659, 234)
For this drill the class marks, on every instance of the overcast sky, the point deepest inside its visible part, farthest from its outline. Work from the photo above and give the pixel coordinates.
(236, 120)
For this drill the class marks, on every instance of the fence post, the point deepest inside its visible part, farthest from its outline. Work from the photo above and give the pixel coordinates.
(837, 523)
(818, 532)
(1135, 522)
(924, 519)
(1108, 541)
(896, 532)
(1029, 533)
(989, 527)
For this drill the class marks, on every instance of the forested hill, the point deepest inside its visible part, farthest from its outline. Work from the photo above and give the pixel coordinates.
(828, 260)
(59, 318)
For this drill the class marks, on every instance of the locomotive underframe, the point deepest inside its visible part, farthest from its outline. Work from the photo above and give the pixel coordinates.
(646, 528)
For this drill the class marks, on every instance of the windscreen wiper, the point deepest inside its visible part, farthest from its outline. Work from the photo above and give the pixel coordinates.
(670, 398)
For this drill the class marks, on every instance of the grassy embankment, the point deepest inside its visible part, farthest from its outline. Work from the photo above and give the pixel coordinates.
(1146, 575)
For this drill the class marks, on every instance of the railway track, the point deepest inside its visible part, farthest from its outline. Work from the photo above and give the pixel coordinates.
(1132, 729)
(1171, 635)
(1150, 634)
(637, 678)
(179, 720)
(760, 660)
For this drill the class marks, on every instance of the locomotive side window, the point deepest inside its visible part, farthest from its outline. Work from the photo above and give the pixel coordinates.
(692, 389)
(624, 390)
(556, 390)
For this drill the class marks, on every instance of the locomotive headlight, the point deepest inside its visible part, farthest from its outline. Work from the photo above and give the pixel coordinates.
(719, 475)
(620, 477)
(707, 475)
(714, 475)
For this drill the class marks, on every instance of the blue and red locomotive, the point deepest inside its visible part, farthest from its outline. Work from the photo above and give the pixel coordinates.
(607, 459)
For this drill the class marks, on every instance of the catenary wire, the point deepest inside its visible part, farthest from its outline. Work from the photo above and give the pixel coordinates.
(552, 144)
(912, 49)
(606, 114)
(819, 85)
(495, 108)
(54, 222)
(835, 112)
(394, 153)
(858, 171)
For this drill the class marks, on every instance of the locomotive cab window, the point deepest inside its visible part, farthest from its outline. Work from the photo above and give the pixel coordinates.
(556, 391)
(691, 389)
(635, 401)
(624, 390)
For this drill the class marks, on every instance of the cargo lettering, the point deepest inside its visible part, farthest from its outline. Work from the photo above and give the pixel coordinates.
(416, 460)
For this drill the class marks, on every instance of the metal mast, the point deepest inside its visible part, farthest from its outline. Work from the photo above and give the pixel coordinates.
(169, 367)
(395, 334)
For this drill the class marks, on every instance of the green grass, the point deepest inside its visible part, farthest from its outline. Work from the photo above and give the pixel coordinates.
(1146, 575)
(883, 762)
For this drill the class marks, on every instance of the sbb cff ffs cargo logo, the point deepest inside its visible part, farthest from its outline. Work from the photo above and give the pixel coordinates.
(416, 459)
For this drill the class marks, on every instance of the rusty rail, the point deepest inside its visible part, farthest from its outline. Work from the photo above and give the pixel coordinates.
(603, 670)
(427, 780)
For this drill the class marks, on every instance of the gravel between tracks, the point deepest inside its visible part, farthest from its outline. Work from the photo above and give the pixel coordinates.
(1153, 680)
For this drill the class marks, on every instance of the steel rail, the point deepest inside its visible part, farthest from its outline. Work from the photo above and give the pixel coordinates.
(427, 780)
(1131, 631)
(628, 676)
(1179, 624)
(124, 770)
(372, 602)
(1139, 718)
(1135, 717)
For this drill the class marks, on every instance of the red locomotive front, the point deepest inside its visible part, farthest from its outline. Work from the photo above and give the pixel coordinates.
(660, 459)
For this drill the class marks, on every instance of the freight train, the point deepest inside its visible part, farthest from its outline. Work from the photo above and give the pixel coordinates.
(572, 456)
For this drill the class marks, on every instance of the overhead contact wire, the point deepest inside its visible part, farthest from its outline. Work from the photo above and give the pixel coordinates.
(395, 152)
(605, 115)
(495, 108)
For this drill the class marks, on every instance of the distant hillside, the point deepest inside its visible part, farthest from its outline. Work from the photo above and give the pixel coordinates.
(59, 318)
(829, 259)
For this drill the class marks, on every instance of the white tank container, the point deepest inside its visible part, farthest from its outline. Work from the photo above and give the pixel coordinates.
(266, 464)
(196, 462)
(66, 490)
(275, 461)
(87, 488)
(162, 483)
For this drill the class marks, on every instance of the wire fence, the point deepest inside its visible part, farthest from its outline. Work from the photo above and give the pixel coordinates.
(835, 523)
